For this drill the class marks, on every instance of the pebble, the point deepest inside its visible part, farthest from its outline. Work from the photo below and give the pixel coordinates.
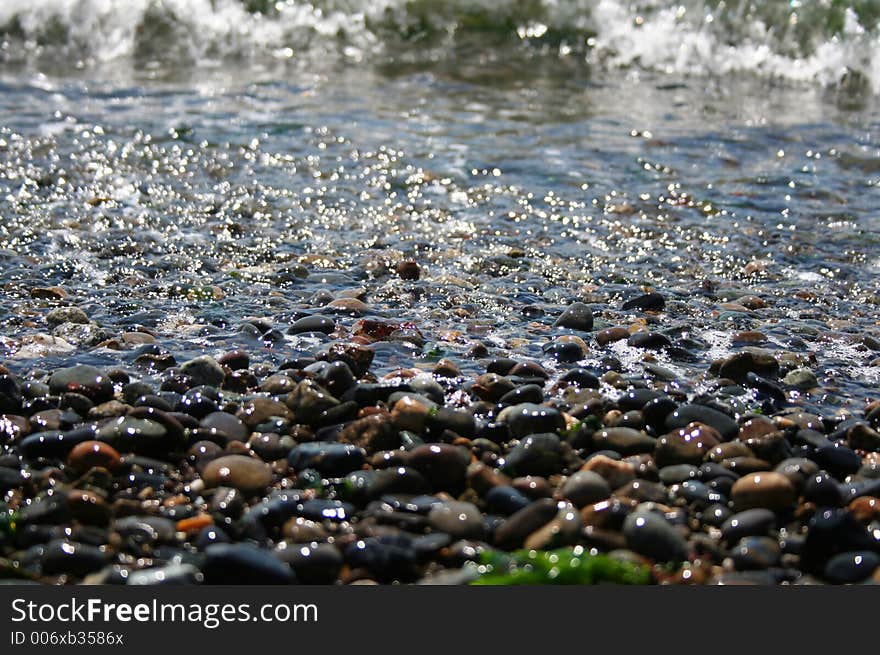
(330, 459)
(203, 370)
(246, 474)
(537, 454)
(457, 519)
(585, 488)
(749, 523)
(576, 316)
(767, 489)
(244, 564)
(88, 454)
(625, 441)
(851, 567)
(649, 534)
(82, 379)
(528, 418)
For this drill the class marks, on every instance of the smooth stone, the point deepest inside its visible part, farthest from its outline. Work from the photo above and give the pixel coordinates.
(329, 458)
(516, 529)
(830, 532)
(204, 370)
(537, 454)
(851, 567)
(170, 574)
(862, 437)
(528, 418)
(576, 316)
(838, 460)
(69, 557)
(755, 553)
(388, 558)
(444, 466)
(585, 488)
(738, 366)
(801, 378)
(313, 563)
(246, 474)
(749, 523)
(505, 500)
(654, 537)
(82, 379)
(625, 441)
(765, 489)
(688, 445)
(244, 564)
(822, 490)
(650, 301)
(458, 519)
(54, 443)
(686, 414)
(648, 341)
(314, 323)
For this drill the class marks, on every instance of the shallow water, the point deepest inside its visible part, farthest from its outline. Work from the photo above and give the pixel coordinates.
(191, 199)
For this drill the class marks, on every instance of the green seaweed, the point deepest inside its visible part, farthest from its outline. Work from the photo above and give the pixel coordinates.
(8, 523)
(565, 566)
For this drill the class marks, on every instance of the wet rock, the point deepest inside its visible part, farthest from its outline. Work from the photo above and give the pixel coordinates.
(444, 466)
(577, 316)
(308, 402)
(851, 567)
(585, 488)
(755, 553)
(737, 366)
(457, 519)
(69, 557)
(649, 534)
(408, 270)
(650, 301)
(862, 437)
(766, 489)
(686, 414)
(527, 418)
(82, 379)
(62, 315)
(688, 445)
(749, 523)
(247, 474)
(505, 500)
(169, 574)
(801, 378)
(387, 558)
(822, 490)
(312, 563)
(648, 341)
(330, 459)
(537, 454)
(516, 529)
(625, 441)
(203, 370)
(88, 454)
(314, 323)
(831, 532)
(244, 564)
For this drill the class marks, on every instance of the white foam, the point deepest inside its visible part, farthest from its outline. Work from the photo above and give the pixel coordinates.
(681, 37)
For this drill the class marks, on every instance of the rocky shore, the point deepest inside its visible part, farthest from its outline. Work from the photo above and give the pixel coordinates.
(224, 468)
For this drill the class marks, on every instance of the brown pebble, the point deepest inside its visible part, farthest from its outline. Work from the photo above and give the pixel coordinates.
(239, 471)
(611, 335)
(89, 454)
(765, 489)
(408, 270)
